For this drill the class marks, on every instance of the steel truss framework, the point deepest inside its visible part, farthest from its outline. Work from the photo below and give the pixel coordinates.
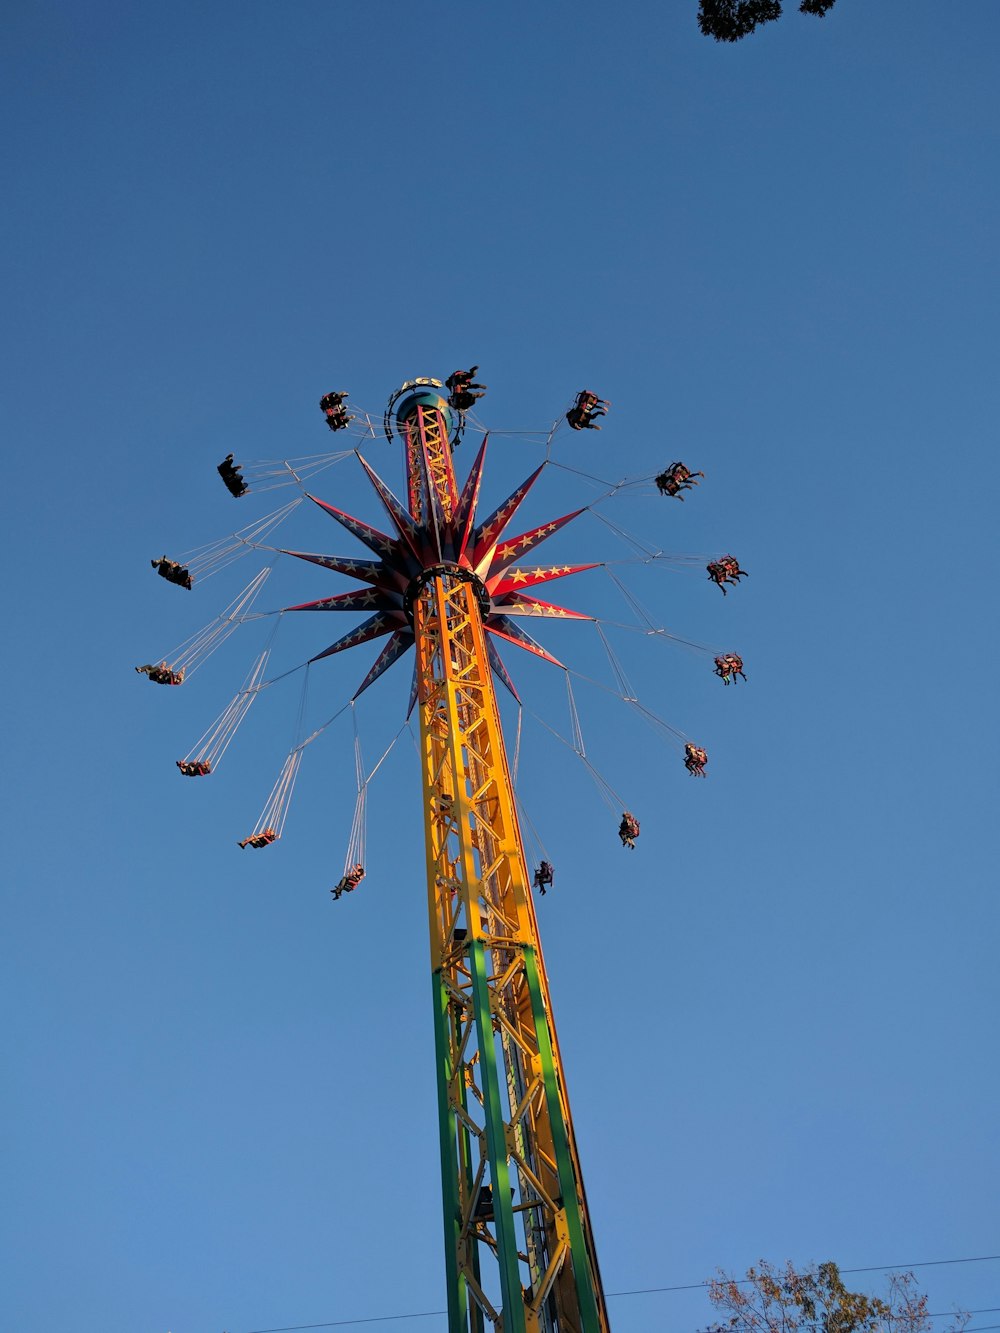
(519, 1247)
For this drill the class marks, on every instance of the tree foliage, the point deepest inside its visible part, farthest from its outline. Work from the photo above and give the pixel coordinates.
(730, 20)
(771, 1300)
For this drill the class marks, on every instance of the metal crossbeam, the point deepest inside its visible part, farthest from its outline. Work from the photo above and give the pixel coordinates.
(430, 476)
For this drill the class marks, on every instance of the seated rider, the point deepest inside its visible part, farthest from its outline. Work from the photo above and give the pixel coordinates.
(162, 674)
(172, 571)
(337, 416)
(350, 881)
(729, 665)
(675, 479)
(543, 876)
(194, 768)
(695, 760)
(717, 573)
(231, 475)
(461, 385)
(262, 839)
(582, 415)
(726, 570)
(628, 830)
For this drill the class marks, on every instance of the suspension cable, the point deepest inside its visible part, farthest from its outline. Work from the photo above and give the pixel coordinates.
(574, 721)
(204, 561)
(214, 743)
(659, 633)
(356, 842)
(636, 543)
(532, 831)
(357, 846)
(618, 670)
(275, 813)
(631, 600)
(607, 792)
(188, 656)
(674, 734)
(515, 767)
(269, 474)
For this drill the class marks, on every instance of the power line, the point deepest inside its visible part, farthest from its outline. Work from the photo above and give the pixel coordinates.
(874, 1268)
(648, 1291)
(928, 1263)
(343, 1323)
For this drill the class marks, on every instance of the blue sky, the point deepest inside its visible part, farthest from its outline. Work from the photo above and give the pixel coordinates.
(777, 259)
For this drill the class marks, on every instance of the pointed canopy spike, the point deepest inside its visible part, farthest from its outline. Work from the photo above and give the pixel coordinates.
(372, 537)
(517, 578)
(402, 520)
(513, 633)
(499, 670)
(488, 533)
(400, 642)
(509, 551)
(465, 513)
(519, 605)
(368, 571)
(360, 599)
(372, 628)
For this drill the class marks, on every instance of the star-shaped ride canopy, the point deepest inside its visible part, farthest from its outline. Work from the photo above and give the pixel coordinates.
(404, 560)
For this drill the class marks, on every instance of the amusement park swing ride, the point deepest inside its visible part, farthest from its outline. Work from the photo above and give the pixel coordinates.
(519, 1247)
